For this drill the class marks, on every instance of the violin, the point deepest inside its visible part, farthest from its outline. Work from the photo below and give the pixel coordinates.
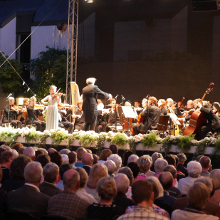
(16, 108)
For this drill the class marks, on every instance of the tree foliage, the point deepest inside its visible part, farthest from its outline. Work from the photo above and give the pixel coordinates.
(49, 69)
(9, 79)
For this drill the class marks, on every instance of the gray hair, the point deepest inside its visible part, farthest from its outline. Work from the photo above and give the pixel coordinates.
(194, 169)
(206, 180)
(215, 175)
(159, 165)
(157, 187)
(65, 151)
(43, 149)
(33, 172)
(117, 159)
(71, 180)
(122, 182)
(181, 157)
(110, 164)
(14, 154)
(127, 171)
(132, 158)
(144, 162)
(50, 172)
(90, 80)
(156, 155)
(65, 159)
(29, 152)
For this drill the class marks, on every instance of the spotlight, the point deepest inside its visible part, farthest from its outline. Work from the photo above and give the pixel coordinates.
(28, 89)
(89, 1)
(23, 82)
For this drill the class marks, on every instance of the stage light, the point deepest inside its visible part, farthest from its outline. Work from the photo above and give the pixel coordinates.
(28, 89)
(23, 82)
(89, 1)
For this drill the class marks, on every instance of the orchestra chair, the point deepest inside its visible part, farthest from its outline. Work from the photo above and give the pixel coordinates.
(15, 215)
(162, 125)
(53, 217)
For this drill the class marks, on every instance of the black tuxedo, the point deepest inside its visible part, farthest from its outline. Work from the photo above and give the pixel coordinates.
(28, 199)
(90, 95)
(87, 169)
(49, 189)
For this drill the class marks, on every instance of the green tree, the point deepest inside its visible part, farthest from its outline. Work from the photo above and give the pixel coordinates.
(9, 79)
(49, 69)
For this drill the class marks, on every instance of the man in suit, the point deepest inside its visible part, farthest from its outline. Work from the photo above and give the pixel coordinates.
(87, 160)
(51, 174)
(77, 207)
(28, 198)
(150, 114)
(90, 95)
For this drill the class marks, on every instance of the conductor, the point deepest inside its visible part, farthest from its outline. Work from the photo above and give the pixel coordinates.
(90, 95)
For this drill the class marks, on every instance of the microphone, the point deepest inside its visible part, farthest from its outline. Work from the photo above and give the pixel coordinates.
(122, 97)
(9, 95)
(116, 96)
(147, 96)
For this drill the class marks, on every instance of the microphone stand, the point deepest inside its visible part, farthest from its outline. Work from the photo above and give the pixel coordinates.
(8, 108)
(147, 112)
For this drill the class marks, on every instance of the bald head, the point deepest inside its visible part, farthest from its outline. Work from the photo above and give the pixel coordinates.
(29, 152)
(71, 180)
(87, 159)
(166, 180)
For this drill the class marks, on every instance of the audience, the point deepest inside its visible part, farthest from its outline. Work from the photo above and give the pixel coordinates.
(80, 151)
(155, 156)
(51, 174)
(117, 159)
(106, 189)
(72, 158)
(28, 198)
(65, 151)
(81, 192)
(215, 175)
(194, 170)
(159, 165)
(30, 152)
(67, 203)
(104, 155)
(135, 168)
(126, 155)
(96, 159)
(113, 148)
(206, 165)
(63, 169)
(65, 159)
(3, 199)
(132, 158)
(87, 160)
(6, 160)
(197, 195)
(17, 174)
(55, 157)
(180, 166)
(43, 159)
(143, 197)
(111, 167)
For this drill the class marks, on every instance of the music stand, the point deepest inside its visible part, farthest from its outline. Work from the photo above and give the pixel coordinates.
(162, 125)
(128, 113)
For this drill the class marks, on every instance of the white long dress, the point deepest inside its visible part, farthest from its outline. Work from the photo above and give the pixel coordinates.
(52, 114)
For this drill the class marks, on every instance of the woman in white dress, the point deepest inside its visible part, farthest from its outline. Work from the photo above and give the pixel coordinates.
(52, 111)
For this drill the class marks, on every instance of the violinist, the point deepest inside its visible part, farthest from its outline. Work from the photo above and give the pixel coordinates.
(100, 105)
(14, 113)
(150, 116)
(33, 113)
(24, 108)
(162, 106)
(137, 107)
(52, 111)
(101, 118)
(79, 116)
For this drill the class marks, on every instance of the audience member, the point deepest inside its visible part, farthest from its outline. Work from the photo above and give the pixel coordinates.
(159, 165)
(96, 173)
(30, 152)
(126, 155)
(3, 199)
(135, 168)
(206, 165)
(17, 146)
(72, 158)
(43, 159)
(28, 198)
(106, 189)
(144, 163)
(67, 203)
(65, 159)
(122, 184)
(51, 150)
(180, 166)
(87, 160)
(6, 160)
(116, 159)
(166, 180)
(21, 150)
(197, 195)
(17, 174)
(114, 149)
(14, 154)
(65, 151)
(215, 175)
(111, 167)
(51, 174)
(81, 192)
(55, 157)
(80, 151)
(96, 158)
(155, 156)
(143, 197)
(104, 155)
(173, 191)
(194, 170)
(63, 169)
(132, 158)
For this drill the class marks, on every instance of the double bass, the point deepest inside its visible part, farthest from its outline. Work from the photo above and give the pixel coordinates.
(198, 118)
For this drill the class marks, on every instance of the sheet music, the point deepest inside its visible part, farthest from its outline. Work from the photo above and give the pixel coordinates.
(174, 119)
(128, 112)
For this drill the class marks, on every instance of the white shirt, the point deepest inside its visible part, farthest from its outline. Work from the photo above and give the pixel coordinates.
(100, 106)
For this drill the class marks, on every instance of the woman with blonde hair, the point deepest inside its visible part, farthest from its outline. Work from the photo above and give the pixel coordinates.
(96, 173)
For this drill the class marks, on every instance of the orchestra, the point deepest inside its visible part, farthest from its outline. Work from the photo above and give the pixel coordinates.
(110, 116)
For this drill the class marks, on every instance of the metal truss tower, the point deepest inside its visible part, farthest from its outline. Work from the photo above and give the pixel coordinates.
(72, 42)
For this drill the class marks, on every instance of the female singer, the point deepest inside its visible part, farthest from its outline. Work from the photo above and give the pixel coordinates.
(52, 110)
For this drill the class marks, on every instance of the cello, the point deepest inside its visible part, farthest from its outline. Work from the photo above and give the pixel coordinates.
(198, 118)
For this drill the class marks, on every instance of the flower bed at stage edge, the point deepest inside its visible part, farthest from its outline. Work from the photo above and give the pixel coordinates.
(150, 142)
